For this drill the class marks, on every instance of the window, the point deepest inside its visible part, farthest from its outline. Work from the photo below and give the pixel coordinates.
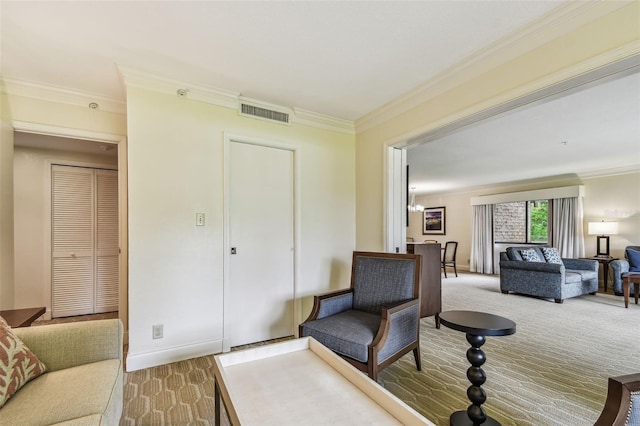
(521, 222)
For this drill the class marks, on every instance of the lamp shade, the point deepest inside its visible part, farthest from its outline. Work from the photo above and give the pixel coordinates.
(603, 228)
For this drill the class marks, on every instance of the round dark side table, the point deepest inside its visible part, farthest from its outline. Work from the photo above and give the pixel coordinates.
(477, 325)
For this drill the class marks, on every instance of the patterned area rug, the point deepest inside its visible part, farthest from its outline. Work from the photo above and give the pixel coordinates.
(553, 371)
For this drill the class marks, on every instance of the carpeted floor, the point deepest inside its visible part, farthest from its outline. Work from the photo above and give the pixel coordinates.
(553, 371)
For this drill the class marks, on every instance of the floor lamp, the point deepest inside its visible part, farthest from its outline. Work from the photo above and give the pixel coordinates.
(603, 230)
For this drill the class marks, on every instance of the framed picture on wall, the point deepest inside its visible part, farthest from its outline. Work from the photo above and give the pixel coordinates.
(434, 221)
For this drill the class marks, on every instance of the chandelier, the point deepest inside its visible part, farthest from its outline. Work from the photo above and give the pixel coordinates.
(413, 207)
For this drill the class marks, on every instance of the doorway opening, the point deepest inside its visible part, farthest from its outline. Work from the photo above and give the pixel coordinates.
(36, 149)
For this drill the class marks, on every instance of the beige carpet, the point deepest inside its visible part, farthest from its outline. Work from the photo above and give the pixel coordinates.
(553, 371)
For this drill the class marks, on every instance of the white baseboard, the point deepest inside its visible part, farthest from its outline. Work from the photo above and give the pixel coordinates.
(165, 356)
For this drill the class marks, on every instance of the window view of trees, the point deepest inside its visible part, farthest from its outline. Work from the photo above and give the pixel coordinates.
(521, 222)
(538, 221)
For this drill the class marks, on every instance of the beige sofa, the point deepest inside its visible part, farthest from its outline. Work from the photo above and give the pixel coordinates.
(84, 380)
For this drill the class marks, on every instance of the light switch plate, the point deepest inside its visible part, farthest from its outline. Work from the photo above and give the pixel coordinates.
(199, 219)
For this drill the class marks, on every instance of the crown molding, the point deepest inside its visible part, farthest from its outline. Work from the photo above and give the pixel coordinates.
(169, 86)
(61, 95)
(554, 24)
(328, 122)
(622, 170)
(228, 99)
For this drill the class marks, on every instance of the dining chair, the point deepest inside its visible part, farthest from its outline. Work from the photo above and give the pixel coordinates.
(449, 257)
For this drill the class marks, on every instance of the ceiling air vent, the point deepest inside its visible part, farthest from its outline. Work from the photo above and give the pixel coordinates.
(264, 113)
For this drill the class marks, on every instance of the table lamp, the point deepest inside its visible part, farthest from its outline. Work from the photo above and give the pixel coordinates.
(603, 230)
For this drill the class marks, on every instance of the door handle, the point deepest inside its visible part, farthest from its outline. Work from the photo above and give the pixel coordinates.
(233, 250)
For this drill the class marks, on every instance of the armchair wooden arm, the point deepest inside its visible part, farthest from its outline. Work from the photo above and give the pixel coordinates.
(619, 397)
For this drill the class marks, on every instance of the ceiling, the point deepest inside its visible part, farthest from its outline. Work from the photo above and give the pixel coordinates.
(592, 131)
(339, 58)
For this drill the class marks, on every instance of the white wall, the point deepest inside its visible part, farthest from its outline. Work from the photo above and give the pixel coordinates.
(7, 290)
(613, 198)
(176, 168)
(606, 198)
(31, 170)
(458, 224)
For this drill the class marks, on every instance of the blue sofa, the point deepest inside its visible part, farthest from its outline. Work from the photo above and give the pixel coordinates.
(558, 281)
(619, 267)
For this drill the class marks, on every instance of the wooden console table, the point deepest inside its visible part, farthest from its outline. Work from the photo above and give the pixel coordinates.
(604, 261)
(298, 381)
(430, 279)
(629, 278)
(22, 317)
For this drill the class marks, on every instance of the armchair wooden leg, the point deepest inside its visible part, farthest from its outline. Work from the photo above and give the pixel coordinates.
(416, 355)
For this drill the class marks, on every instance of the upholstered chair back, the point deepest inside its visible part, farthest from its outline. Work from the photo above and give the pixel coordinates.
(634, 410)
(379, 281)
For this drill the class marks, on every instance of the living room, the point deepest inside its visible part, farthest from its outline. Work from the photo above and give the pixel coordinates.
(172, 155)
(437, 178)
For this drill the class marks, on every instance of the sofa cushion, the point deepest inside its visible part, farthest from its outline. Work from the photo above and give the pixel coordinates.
(551, 255)
(572, 276)
(530, 255)
(634, 259)
(18, 365)
(584, 274)
(348, 333)
(86, 394)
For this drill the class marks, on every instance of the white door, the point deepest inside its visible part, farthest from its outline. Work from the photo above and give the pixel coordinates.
(261, 234)
(72, 214)
(84, 253)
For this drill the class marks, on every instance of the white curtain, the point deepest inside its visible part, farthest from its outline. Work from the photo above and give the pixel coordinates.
(567, 233)
(482, 240)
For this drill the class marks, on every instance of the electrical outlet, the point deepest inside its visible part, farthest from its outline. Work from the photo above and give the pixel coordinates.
(157, 331)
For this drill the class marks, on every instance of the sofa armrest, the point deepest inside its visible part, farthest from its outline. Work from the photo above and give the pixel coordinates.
(61, 346)
(619, 267)
(553, 268)
(581, 264)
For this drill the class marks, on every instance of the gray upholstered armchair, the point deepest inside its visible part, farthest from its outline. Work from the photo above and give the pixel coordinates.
(622, 407)
(552, 278)
(376, 320)
(619, 267)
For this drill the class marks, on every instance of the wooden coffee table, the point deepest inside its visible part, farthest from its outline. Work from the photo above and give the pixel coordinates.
(629, 278)
(22, 317)
(300, 381)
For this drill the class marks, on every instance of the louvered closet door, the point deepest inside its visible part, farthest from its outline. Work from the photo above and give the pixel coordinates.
(72, 196)
(84, 241)
(106, 295)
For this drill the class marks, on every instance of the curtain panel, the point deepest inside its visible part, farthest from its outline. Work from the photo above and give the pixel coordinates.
(482, 240)
(567, 234)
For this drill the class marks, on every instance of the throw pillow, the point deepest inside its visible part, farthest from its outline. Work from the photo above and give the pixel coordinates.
(530, 255)
(551, 255)
(18, 364)
(633, 256)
